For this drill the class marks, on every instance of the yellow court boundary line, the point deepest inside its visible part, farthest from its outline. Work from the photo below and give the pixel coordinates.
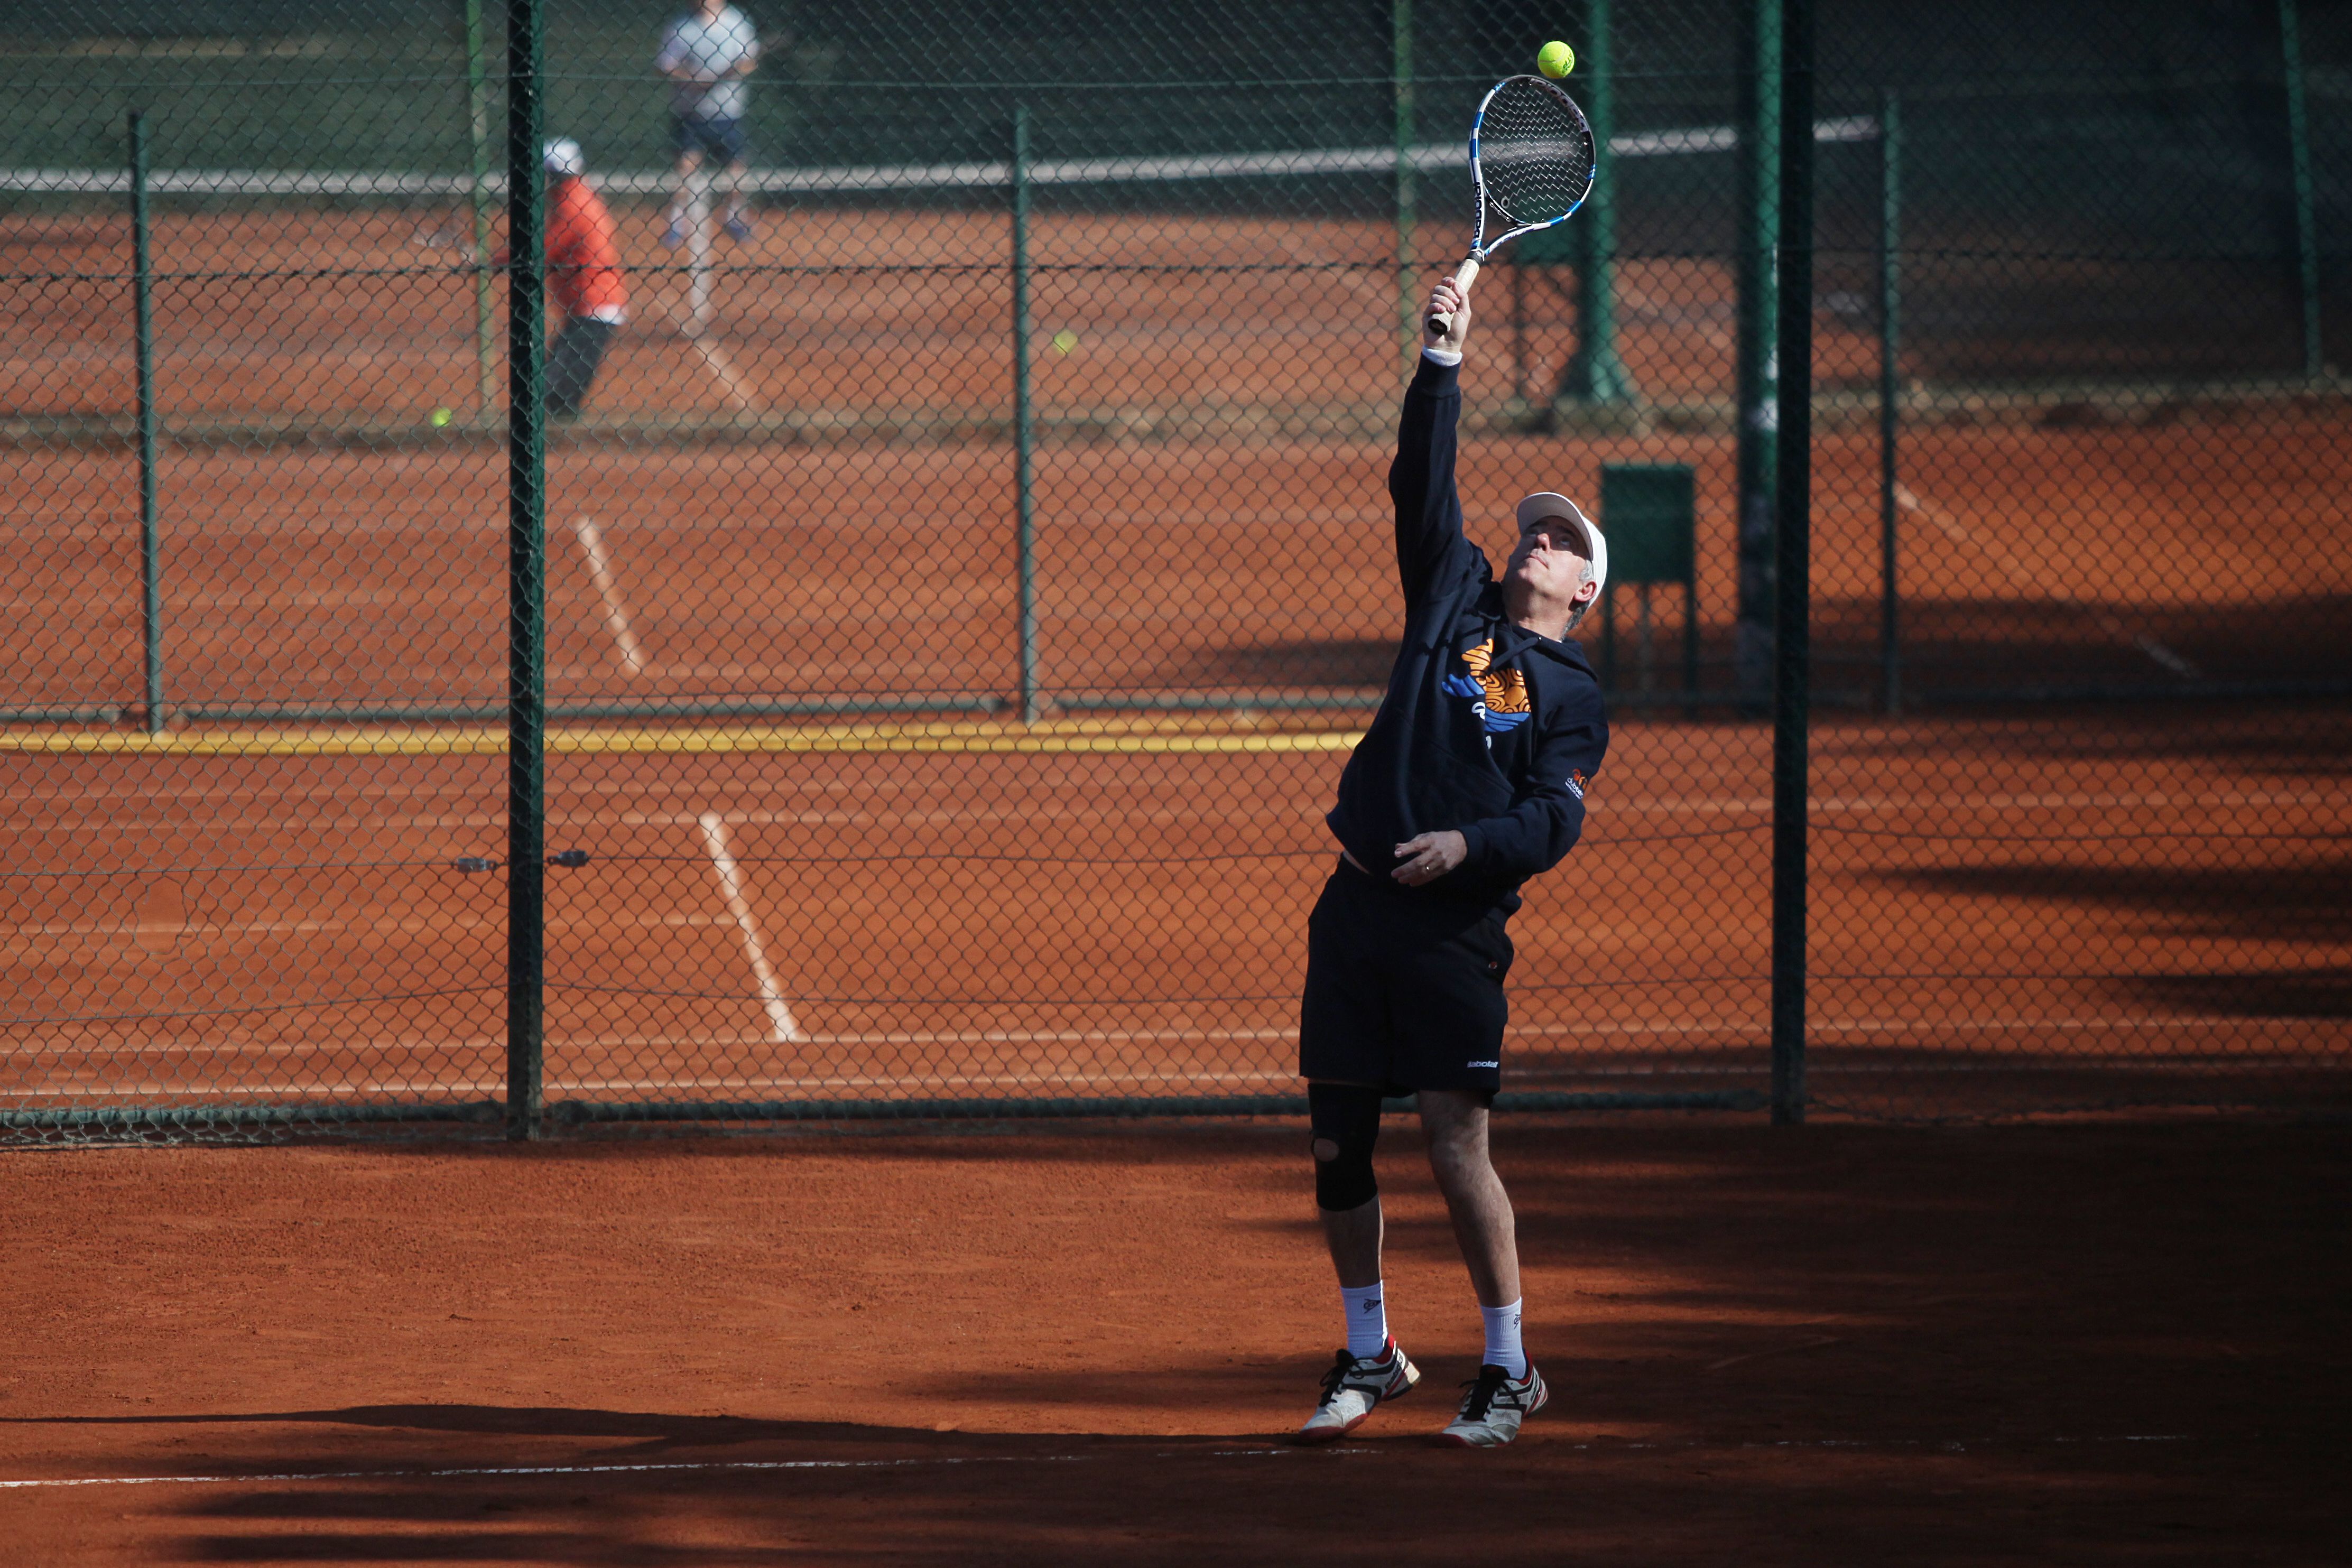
(1051, 737)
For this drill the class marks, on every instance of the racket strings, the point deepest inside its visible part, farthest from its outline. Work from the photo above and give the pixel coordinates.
(1534, 153)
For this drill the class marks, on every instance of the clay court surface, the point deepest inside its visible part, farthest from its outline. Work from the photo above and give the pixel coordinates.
(2111, 1342)
(2052, 908)
(1207, 499)
(1002, 911)
(2116, 1344)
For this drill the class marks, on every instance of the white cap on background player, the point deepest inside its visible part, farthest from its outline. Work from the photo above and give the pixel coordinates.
(1549, 504)
(560, 156)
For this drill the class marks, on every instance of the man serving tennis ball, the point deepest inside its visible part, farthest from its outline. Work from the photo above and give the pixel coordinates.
(1470, 781)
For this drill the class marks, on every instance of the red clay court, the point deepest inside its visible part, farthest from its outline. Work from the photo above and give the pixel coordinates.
(942, 704)
(2077, 1343)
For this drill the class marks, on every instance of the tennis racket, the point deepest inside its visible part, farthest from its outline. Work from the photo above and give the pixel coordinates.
(1531, 159)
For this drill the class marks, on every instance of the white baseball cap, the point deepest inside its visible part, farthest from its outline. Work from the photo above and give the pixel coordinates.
(561, 157)
(1548, 504)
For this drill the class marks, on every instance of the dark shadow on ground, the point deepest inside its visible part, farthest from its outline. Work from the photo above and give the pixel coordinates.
(1993, 644)
(2318, 993)
(2295, 902)
(1954, 645)
(2117, 1344)
(2305, 904)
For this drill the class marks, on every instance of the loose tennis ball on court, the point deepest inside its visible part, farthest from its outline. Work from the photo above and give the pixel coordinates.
(1555, 59)
(441, 416)
(1065, 341)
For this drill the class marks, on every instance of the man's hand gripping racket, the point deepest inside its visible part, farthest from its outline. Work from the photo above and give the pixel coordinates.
(1531, 159)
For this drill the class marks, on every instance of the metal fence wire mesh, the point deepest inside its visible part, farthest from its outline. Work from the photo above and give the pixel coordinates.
(965, 565)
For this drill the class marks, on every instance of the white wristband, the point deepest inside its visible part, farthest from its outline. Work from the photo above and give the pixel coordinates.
(1441, 356)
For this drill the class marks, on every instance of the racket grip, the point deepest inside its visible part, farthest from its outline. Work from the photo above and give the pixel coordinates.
(1464, 276)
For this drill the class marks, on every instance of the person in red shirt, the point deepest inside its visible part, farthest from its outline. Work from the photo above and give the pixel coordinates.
(583, 277)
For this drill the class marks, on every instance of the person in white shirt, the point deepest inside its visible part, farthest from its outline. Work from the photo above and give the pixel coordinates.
(707, 54)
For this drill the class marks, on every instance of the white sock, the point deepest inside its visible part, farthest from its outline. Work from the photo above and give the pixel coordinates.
(1503, 1339)
(1367, 1319)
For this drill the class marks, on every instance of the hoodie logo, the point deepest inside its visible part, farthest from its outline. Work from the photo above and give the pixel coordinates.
(1499, 697)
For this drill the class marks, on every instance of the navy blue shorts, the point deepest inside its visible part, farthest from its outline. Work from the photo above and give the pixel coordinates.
(1403, 990)
(720, 140)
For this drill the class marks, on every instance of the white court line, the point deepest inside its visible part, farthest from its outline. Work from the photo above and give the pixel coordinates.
(616, 611)
(496, 1470)
(731, 380)
(731, 879)
(1938, 1445)
(2038, 584)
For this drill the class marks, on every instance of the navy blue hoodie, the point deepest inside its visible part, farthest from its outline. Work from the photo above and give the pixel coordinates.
(1487, 729)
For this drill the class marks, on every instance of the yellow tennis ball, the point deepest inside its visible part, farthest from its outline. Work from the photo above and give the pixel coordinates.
(441, 416)
(1555, 59)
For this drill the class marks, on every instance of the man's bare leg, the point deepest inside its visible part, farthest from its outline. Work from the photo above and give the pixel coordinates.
(1370, 1368)
(1455, 1122)
(1507, 1389)
(1354, 1237)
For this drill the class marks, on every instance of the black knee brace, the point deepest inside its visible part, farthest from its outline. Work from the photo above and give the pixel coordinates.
(1348, 1116)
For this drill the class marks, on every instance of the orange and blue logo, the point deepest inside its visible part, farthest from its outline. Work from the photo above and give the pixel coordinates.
(1499, 697)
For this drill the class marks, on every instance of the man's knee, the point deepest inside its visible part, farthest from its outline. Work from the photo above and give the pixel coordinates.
(1456, 1124)
(1346, 1121)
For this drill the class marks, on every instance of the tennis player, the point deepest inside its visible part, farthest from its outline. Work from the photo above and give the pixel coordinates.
(1470, 781)
(584, 276)
(707, 54)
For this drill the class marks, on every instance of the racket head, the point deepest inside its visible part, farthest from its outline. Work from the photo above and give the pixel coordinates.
(1532, 153)
(1532, 160)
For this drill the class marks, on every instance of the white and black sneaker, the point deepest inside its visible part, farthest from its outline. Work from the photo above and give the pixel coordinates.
(1353, 1386)
(1496, 1405)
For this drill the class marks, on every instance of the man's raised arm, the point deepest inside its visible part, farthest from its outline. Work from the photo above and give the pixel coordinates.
(1421, 481)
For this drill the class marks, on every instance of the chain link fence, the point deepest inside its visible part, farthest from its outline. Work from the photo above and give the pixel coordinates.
(940, 562)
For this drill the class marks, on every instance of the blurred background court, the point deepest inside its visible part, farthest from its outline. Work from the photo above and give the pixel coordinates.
(962, 592)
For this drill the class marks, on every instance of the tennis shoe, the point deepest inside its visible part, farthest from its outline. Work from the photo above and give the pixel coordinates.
(1353, 1386)
(673, 235)
(737, 226)
(1496, 1405)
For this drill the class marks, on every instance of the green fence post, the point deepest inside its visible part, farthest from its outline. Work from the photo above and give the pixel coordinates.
(526, 578)
(150, 564)
(1024, 425)
(477, 115)
(1890, 395)
(1595, 375)
(2307, 222)
(1759, 135)
(1791, 553)
(1401, 88)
